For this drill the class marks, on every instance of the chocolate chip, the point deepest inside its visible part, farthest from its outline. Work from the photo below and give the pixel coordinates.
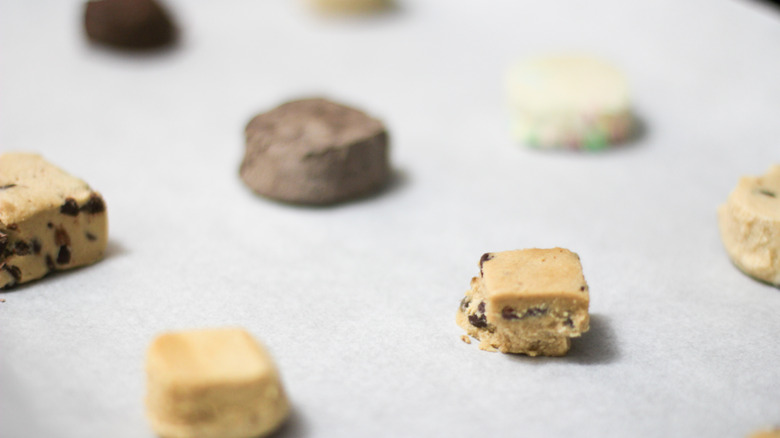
(50, 225)
(70, 207)
(479, 319)
(485, 257)
(13, 227)
(767, 193)
(582, 288)
(464, 303)
(94, 204)
(36, 245)
(15, 272)
(21, 248)
(509, 313)
(3, 242)
(90, 236)
(534, 311)
(61, 237)
(568, 322)
(63, 256)
(50, 263)
(7, 186)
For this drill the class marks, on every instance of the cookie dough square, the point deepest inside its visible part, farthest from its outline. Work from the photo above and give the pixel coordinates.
(529, 301)
(750, 226)
(213, 383)
(49, 220)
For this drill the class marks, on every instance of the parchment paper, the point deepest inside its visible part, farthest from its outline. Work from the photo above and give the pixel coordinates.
(357, 302)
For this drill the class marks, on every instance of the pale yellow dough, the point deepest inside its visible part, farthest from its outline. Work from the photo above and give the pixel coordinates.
(528, 301)
(350, 6)
(215, 383)
(769, 433)
(49, 220)
(750, 226)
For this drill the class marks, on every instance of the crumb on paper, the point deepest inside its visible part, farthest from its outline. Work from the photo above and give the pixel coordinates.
(465, 339)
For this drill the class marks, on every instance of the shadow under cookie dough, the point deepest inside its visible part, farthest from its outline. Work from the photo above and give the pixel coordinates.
(293, 427)
(114, 249)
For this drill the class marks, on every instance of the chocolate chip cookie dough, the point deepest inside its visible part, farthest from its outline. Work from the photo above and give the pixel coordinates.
(529, 301)
(49, 220)
(214, 383)
(750, 226)
(128, 24)
(316, 152)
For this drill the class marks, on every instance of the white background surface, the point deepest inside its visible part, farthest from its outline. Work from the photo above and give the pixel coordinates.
(357, 302)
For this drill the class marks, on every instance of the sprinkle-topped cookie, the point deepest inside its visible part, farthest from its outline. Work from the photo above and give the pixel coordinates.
(574, 102)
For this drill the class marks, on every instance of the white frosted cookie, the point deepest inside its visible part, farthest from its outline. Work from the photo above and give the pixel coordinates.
(750, 226)
(216, 383)
(350, 6)
(569, 102)
(529, 301)
(49, 220)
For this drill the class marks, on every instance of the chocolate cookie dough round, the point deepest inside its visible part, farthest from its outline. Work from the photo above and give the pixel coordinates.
(316, 152)
(129, 24)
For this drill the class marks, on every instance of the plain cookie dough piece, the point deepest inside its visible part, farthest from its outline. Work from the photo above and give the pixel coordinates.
(769, 433)
(49, 220)
(750, 226)
(574, 102)
(351, 6)
(128, 24)
(529, 301)
(315, 152)
(216, 383)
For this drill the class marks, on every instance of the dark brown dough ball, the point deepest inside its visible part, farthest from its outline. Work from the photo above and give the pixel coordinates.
(314, 151)
(130, 24)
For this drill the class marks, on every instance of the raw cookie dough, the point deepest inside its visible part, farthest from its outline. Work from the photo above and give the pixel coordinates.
(49, 220)
(216, 383)
(351, 6)
(770, 433)
(750, 226)
(569, 102)
(529, 301)
(129, 24)
(315, 151)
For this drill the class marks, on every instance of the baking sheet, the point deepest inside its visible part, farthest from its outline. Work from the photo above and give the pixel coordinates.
(357, 302)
